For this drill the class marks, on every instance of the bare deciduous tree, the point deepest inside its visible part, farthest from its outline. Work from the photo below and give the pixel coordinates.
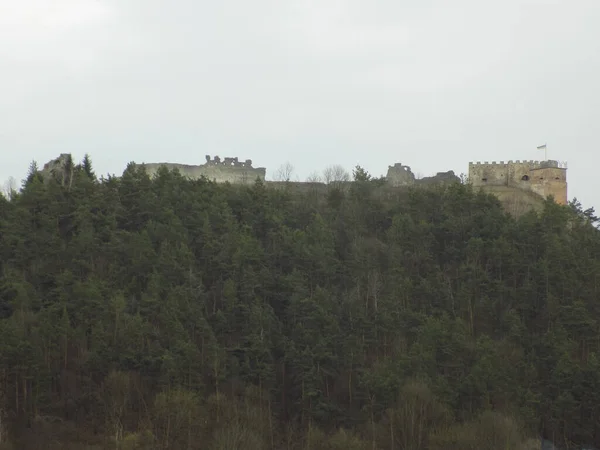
(3, 427)
(116, 396)
(336, 174)
(177, 418)
(416, 412)
(285, 172)
(314, 177)
(9, 188)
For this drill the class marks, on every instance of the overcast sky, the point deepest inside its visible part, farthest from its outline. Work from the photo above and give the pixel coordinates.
(433, 84)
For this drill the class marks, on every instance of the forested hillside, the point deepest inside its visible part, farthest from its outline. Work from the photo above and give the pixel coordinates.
(165, 313)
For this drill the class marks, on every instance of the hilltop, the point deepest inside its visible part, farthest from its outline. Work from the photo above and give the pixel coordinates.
(520, 186)
(179, 313)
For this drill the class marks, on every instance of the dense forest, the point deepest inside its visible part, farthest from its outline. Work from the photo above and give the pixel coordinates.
(169, 313)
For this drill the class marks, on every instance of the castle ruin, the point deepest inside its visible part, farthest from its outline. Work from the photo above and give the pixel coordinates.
(536, 179)
(540, 177)
(401, 175)
(229, 170)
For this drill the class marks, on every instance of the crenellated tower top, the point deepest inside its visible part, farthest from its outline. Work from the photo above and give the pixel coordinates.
(542, 177)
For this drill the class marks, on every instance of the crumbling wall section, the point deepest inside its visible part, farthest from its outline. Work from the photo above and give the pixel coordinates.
(56, 167)
(542, 178)
(400, 175)
(230, 170)
(440, 178)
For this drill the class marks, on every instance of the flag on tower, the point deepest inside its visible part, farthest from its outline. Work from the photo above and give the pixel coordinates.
(542, 147)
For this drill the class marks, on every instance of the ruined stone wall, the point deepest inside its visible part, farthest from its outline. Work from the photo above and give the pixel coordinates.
(229, 170)
(56, 167)
(439, 178)
(399, 175)
(542, 178)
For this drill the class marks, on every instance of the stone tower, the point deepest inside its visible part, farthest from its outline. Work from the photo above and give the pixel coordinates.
(541, 177)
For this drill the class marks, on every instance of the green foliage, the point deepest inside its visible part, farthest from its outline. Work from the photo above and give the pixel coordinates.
(173, 313)
(490, 431)
(360, 175)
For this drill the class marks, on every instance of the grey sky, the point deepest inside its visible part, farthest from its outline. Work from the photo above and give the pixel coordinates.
(430, 83)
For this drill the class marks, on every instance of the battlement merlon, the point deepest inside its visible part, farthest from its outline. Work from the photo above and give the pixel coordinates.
(531, 163)
(227, 170)
(228, 162)
(486, 163)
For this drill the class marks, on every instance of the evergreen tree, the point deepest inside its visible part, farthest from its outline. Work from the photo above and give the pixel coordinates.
(166, 312)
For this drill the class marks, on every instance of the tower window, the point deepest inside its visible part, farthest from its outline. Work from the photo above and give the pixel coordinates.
(525, 178)
(484, 180)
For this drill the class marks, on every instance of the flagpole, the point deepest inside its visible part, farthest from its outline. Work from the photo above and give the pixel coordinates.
(545, 146)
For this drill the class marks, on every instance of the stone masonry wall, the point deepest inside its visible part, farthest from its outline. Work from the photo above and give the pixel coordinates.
(488, 174)
(547, 181)
(542, 177)
(229, 170)
(400, 175)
